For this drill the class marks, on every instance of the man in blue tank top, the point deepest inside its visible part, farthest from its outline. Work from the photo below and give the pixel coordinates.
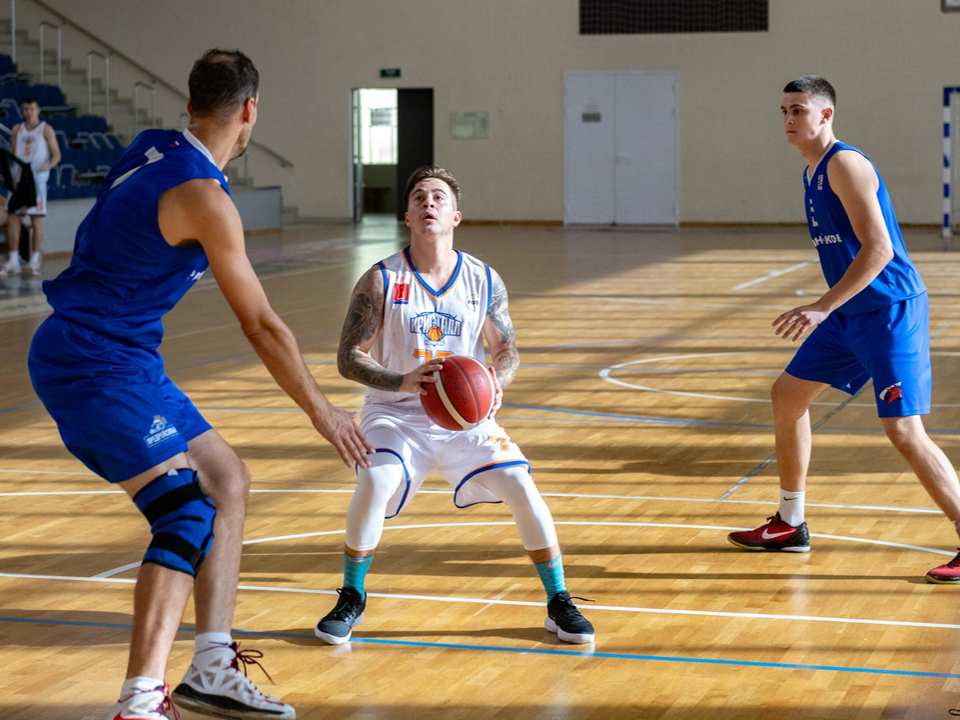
(163, 216)
(873, 323)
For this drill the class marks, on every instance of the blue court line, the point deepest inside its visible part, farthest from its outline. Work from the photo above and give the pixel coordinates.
(20, 407)
(530, 651)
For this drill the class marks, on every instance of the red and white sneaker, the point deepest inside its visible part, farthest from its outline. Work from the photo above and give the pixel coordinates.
(224, 690)
(775, 535)
(946, 574)
(146, 705)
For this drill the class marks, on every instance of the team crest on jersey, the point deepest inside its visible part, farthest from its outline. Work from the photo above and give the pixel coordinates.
(820, 181)
(159, 431)
(435, 326)
(473, 301)
(894, 392)
(401, 292)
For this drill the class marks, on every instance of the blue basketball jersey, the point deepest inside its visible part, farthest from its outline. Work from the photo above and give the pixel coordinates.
(124, 276)
(837, 244)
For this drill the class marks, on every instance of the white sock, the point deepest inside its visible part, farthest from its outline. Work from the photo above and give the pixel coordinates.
(212, 648)
(791, 507)
(139, 684)
(35, 260)
(14, 259)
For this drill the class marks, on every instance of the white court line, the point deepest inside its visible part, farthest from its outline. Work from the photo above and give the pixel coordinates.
(525, 603)
(770, 275)
(300, 536)
(598, 496)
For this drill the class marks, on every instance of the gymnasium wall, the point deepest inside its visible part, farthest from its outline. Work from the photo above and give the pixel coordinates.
(889, 60)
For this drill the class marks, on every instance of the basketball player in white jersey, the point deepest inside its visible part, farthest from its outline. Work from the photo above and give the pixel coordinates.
(406, 314)
(35, 142)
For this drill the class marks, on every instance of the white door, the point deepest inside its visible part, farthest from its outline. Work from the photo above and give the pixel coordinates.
(589, 145)
(630, 160)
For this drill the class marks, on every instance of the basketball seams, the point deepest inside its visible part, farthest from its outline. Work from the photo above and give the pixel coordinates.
(448, 404)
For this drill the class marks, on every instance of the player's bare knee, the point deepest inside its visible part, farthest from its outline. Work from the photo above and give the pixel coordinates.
(785, 398)
(228, 485)
(907, 437)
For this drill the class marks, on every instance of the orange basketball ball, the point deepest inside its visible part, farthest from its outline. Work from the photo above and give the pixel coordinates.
(462, 396)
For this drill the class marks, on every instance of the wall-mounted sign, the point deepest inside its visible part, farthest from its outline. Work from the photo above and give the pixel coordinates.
(470, 125)
(389, 72)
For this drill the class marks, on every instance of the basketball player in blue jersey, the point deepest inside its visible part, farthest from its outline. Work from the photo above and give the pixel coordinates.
(163, 216)
(397, 332)
(873, 323)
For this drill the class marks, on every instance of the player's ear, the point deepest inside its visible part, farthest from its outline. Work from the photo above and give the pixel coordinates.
(189, 106)
(827, 113)
(457, 217)
(406, 218)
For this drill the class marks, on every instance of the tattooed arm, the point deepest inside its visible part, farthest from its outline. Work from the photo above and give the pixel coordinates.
(359, 332)
(498, 331)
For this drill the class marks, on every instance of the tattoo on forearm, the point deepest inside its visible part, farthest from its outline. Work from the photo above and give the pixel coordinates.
(507, 360)
(360, 326)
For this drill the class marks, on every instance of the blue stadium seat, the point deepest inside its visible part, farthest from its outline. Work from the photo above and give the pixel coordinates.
(73, 192)
(65, 176)
(72, 126)
(89, 191)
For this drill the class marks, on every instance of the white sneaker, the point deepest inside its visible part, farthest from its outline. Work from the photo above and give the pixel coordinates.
(145, 705)
(224, 690)
(10, 269)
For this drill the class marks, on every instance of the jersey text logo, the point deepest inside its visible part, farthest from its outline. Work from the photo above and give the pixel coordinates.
(435, 326)
(894, 392)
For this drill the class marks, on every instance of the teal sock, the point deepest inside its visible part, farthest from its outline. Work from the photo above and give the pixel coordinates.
(551, 575)
(355, 572)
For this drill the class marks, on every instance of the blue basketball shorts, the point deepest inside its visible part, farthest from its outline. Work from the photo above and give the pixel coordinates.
(115, 409)
(890, 345)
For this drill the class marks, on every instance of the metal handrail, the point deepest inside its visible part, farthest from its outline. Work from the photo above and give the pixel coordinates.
(44, 23)
(114, 52)
(106, 90)
(136, 105)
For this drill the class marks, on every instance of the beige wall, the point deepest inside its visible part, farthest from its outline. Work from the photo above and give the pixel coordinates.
(889, 60)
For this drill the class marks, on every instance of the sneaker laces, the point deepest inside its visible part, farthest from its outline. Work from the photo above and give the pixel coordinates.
(167, 705)
(567, 605)
(344, 605)
(248, 657)
(956, 561)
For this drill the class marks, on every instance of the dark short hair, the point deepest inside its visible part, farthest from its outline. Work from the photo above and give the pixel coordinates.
(815, 85)
(426, 173)
(30, 101)
(221, 81)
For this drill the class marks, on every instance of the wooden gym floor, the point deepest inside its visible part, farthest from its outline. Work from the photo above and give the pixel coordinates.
(642, 404)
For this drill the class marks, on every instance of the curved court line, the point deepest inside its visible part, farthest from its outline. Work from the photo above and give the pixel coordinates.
(605, 375)
(299, 536)
(507, 649)
(527, 603)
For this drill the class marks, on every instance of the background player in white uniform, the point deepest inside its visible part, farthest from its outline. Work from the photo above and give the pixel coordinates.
(35, 142)
(397, 332)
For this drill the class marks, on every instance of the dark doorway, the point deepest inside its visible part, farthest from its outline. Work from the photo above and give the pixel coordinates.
(415, 136)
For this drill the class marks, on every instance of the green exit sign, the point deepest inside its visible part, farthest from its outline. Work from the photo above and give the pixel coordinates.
(390, 72)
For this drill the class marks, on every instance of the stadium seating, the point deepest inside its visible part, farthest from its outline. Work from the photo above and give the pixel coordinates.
(88, 147)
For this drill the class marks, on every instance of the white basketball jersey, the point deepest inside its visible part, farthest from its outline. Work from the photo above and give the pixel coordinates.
(421, 323)
(32, 146)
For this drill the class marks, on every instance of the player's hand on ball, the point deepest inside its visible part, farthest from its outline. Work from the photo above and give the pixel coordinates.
(340, 430)
(793, 323)
(497, 393)
(413, 381)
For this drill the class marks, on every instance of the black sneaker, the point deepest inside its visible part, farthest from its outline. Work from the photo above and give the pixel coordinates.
(335, 627)
(565, 620)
